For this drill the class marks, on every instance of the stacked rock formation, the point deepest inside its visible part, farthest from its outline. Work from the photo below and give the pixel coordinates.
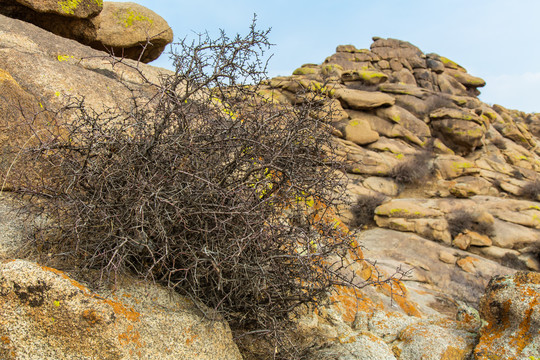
(122, 29)
(458, 186)
(401, 115)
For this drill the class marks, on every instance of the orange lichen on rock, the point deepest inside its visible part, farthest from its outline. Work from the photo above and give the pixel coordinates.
(130, 336)
(118, 307)
(511, 307)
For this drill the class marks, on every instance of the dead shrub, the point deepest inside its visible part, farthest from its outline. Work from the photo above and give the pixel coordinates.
(499, 143)
(207, 188)
(461, 220)
(531, 190)
(414, 169)
(364, 209)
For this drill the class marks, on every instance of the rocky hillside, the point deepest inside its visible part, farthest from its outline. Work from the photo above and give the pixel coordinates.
(440, 183)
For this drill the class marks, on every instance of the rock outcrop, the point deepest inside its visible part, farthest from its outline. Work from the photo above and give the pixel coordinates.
(460, 179)
(45, 312)
(124, 29)
(458, 182)
(511, 308)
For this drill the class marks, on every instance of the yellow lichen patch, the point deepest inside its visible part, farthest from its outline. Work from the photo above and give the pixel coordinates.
(64, 57)
(449, 63)
(304, 71)
(129, 17)
(69, 6)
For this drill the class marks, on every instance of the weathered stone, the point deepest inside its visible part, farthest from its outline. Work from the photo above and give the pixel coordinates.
(45, 312)
(54, 68)
(526, 213)
(406, 208)
(392, 48)
(444, 340)
(346, 48)
(450, 85)
(366, 77)
(468, 186)
(383, 65)
(466, 79)
(277, 97)
(363, 161)
(451, 64)
(395, 64)
(126, 28)
(404, 118)
(396, 146)
(434, 229)
(462, 241)
(511, 308)
(403, 89)
(388, 325)
(435, 65)
(513, 236)
(468, 264)
(404, 76)
(331, 71)
(495, 252)
(78, 9)
(360, 100)
(386, 127)
(359, 132)
(352, 61)
(382, 185)
(364, 346)
(450, 166)
(455, 114)
(418, 106)
(305, 70)
(392, 248)
(447, 257)
(462, 136)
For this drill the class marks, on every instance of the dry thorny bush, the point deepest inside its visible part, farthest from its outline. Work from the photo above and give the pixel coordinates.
(205, 187)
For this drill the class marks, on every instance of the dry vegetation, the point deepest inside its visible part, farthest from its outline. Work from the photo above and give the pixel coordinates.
(207, 188)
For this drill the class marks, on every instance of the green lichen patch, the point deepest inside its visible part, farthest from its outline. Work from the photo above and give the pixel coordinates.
(365, 76)
(305, 71)
(130, 17)
(69, 6)
(449, 63)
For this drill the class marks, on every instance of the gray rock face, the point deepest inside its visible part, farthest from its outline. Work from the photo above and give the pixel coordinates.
(45, 312)
(75, 9)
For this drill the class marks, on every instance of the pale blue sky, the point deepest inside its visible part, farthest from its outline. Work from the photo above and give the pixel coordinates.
(494, 39)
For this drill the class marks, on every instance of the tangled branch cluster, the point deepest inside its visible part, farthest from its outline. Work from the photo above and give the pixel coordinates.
(209, 188)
